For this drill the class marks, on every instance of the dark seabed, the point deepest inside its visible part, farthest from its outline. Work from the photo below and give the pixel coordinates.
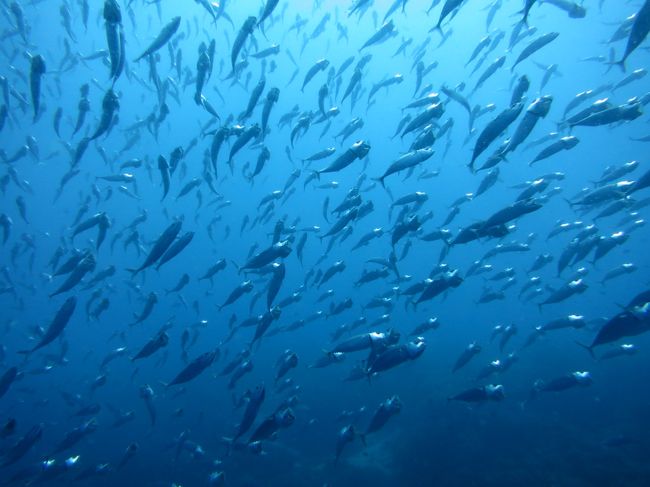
(324, 243)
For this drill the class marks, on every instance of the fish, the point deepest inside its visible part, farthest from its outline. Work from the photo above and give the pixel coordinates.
(494, 129)
(537, 110)
(345, 242)
(626, 112)
(569, 289)
(345, 436)
(269, 7)
(320, 65)
(110, 105)
(255, 96)
(480, 394)
(387, 409)
(470, 352)
(237, 45)
(36, 71)
(160, 246)
(160, 340)
(57, 325)
(563, 383)
(22, 446)
(281, 419)
(565, 143)
(195, 368)
(447, 9)
(162, 38)
(489, 72)
(175, 248)
(7, 379)
(114, 37)
(152, 299)
(385, 32)
(358, 150)
(573, 9)
(254, 403)
(638, 33)
(85, 265)
(535, 46)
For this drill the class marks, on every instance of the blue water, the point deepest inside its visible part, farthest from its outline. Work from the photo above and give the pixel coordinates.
(584, 436)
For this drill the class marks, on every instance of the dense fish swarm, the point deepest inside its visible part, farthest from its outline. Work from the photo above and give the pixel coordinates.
(205, 203)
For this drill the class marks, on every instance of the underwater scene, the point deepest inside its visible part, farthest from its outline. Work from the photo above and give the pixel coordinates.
(329, 243)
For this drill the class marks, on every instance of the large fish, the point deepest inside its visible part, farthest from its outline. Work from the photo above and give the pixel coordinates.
(114, 37)
(638, 32)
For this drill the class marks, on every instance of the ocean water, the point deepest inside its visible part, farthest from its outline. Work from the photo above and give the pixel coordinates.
(549, 413)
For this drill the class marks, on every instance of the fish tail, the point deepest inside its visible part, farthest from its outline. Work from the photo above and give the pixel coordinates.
(380, 180)
(624, 308)
(620, 64)
(362, 437)
(588, 348)
(569, 203)
(230, 442)
(524, 20)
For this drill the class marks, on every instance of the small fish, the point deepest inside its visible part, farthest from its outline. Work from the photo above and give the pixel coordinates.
(36, 72)
(163, 38)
